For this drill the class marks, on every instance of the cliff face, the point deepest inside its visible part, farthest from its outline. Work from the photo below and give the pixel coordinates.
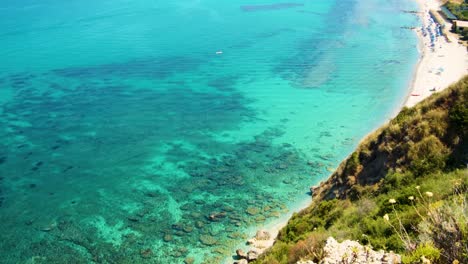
(423, 134)
(422, 150)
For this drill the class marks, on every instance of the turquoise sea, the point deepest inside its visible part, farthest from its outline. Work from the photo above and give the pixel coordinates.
(152, 131)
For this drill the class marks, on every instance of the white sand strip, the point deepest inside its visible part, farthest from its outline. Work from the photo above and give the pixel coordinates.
(442, 62)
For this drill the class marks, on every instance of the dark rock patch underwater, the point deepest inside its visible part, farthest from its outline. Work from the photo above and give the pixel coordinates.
(109, 172)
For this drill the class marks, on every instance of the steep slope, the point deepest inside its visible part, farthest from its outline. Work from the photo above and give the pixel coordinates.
(403, 189)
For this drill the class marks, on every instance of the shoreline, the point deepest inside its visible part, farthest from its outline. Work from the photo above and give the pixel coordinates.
(272, 228)
(442, 55)
(441, 63)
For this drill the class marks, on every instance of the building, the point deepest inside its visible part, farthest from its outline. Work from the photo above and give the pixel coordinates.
(459, 25)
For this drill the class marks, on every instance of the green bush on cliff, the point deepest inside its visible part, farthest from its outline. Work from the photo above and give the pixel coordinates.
(459, 113)
(352, 164)
(403, 189)
(427, 156)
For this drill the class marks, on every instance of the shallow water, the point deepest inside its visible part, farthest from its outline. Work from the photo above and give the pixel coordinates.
(127, 136)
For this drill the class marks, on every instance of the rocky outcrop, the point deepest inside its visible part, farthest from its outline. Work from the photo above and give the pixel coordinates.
(252, 255)
(352, 252)
(262, 240)
(241, 254)
(262, 235)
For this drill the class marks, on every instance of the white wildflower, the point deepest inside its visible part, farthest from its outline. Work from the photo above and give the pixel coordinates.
(429, 194)
(392, 201)
(411, 198)
(386, 217)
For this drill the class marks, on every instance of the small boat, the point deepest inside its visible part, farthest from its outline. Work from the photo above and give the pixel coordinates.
(415, 94)
(219, 52)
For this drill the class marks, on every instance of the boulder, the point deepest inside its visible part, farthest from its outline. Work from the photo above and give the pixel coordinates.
(208, 240)
(133, 218)
(189, 260)
(146, 253)
(199, 224)
(251, 241)
(242, 261)
(262, 235)
(167, 238)
(241, 254)
(188, 229)
(252, 255)
(216, 216)
(251, 210)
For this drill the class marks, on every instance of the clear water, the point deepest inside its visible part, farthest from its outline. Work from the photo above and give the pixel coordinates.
(126, 138)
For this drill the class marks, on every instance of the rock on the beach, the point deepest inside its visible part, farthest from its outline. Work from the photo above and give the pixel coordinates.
(252, 255)
(241, 254)
(251, 241)
(242, 261)
(262, 235)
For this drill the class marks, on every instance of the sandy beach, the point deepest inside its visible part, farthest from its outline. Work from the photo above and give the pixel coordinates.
(443, 60)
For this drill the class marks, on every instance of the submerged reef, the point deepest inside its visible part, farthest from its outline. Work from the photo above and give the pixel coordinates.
(108, 172)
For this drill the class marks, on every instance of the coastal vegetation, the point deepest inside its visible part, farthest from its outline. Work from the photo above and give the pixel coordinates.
(404, 190)
(458, 8)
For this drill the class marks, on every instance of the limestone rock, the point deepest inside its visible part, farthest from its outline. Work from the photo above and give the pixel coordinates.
(262, 235)
(252, 255)
(167, 238)
(189, 260)
(352, 252)
(208, 240)
(252, 210)
(216, 216)
(241, 254)
(251, 241)
(146, 253)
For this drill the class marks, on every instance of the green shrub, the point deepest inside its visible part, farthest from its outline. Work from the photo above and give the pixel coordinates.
(396, 180)
(404, 115)
(352, 164)
(459, 115)
(427, 156)
(277, 254)
(310, 248)
(427, 251)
